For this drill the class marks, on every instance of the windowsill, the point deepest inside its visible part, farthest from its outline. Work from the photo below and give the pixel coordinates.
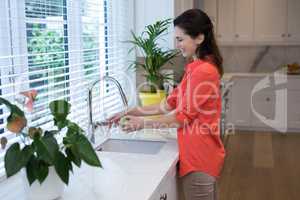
(11, 188)
(2, 177)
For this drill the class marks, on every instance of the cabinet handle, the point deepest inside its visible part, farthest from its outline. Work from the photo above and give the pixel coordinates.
(283, 35)
(289, 35)
(268, 99)
(237, 35)
(163, 196)
(219, 35)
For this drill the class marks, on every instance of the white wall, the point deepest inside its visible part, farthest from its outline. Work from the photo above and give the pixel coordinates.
(149, 11)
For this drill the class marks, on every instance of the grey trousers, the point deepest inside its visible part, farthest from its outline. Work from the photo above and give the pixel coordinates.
(198, 186)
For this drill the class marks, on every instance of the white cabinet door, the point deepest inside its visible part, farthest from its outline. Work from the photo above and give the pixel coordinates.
(239, 113)
(181, 5)
(293, 32)
(270, 19)
(210, 7)
(235, 20)
(244, 20)
(293, 110)
(263, 108)
(167, 189)
(225, 23)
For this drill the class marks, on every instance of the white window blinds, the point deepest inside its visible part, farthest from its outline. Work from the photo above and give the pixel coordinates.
(59, 47)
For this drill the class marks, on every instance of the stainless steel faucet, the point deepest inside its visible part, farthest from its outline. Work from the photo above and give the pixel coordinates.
(93, 125)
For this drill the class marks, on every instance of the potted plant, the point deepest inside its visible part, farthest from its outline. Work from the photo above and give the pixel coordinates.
(155, 57)
(47, 162)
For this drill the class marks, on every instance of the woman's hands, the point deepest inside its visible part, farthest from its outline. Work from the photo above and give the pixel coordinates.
(127, 122)
(116, 118)
(131, 123)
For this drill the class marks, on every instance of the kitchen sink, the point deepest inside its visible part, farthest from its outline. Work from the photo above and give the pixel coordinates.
(131, 146)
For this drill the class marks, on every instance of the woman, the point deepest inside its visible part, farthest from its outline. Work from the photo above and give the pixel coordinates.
(193, 107)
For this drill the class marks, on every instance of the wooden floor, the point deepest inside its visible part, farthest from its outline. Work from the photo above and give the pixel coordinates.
(261, 166)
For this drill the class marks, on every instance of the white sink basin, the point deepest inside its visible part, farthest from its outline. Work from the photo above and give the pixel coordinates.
(131, 146)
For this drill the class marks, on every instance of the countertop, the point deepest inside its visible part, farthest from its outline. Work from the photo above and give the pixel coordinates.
(228, 76)
(123, 176)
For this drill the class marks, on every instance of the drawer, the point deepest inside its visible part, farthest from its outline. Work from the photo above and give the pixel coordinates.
(293, 83)
(264, 95)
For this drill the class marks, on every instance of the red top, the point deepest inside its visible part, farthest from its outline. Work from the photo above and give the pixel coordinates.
(197, 102)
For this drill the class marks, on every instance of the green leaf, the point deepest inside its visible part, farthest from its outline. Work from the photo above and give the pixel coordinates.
(62, 167)
(30, 169)
(73, 128)
(60, 123)
(46, 148)
(5, 102)
(74, 157)
(86, 151)
(42, 171)
(60, 109)
(16, 121)
(12, 160)
(13, 108)
(26, 152)
(155, 56)
(51, 133)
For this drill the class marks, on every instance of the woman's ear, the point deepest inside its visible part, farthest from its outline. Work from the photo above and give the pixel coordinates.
(200, 39)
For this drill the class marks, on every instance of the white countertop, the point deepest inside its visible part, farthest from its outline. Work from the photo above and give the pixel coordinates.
(228, 76)
(123, 176)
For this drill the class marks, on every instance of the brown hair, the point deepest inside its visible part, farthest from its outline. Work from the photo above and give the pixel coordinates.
(194, 22)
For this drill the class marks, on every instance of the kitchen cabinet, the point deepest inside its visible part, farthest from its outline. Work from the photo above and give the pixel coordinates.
(257, 110)
(255, 22)
(235, 20)
(293, 32)
(293, 99)
(263, 107)
(244, 21)
(167, 189)
(182, 5)
(225, 21)
(270, 17)
(293, 109)
(239, 102)
(210, 7)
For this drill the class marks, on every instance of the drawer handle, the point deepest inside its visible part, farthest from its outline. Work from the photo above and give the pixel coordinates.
(163, 196)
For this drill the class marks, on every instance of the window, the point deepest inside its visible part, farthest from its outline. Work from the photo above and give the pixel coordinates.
(47, 50)
(59, 47)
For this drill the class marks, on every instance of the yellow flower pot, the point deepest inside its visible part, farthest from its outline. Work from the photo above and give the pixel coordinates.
(148, 98)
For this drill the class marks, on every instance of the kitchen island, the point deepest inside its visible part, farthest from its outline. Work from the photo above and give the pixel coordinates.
(124, 176)
(263, 101)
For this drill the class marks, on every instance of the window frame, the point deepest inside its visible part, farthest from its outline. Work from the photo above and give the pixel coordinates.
(17, 45)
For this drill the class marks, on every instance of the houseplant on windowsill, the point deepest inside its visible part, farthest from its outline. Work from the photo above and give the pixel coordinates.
(155, 57)
(43, 158)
